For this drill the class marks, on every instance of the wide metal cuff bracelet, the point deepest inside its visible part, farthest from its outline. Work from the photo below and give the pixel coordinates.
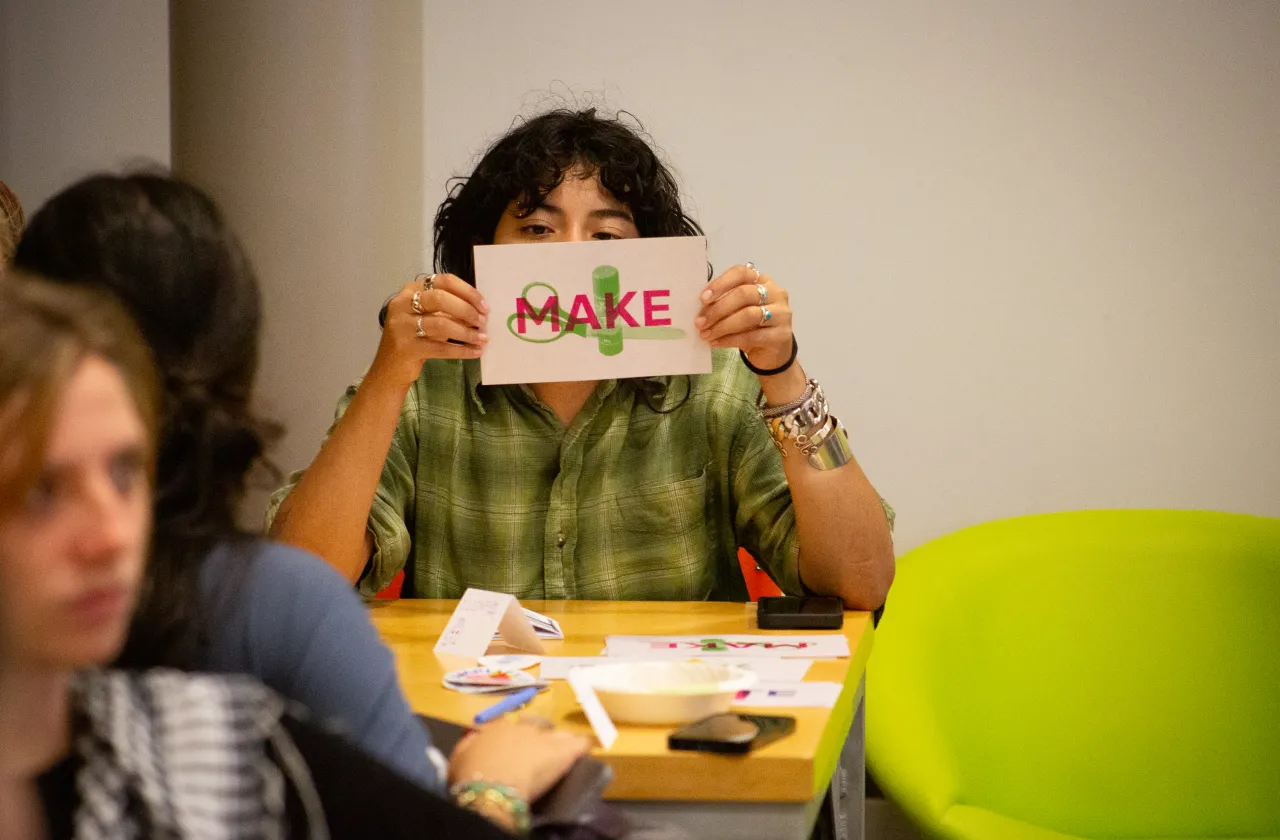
(832, 451)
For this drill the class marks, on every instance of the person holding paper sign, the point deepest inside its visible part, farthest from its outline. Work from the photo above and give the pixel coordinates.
(635, 489)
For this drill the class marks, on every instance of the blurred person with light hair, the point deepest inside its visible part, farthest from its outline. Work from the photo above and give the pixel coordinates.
(156, 753)
(11, 221)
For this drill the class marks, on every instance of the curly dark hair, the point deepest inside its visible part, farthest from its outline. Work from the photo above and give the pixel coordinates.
(162, 248)
(532, 159)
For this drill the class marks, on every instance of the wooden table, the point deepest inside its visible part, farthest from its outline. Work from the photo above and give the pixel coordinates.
(774, 792)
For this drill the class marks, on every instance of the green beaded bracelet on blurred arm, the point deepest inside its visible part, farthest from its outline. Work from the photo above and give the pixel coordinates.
(507, 799)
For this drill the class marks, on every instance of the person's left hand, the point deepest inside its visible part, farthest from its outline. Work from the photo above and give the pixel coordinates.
(745, 309)
(521, 754)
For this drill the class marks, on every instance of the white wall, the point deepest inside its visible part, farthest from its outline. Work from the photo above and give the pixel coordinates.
(83, 87)
(1034, 248)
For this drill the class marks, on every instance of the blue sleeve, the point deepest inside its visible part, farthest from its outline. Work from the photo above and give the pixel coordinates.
(286, 617)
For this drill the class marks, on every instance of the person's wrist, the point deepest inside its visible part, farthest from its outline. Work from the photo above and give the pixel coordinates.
(784, 387)
(768, 358)
(391, 375)
(499, 802)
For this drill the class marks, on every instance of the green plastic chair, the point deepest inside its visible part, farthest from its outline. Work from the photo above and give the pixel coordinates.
(1101, 674)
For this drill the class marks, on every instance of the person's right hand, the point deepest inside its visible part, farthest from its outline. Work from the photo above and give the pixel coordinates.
(452, 309)
(520, 755)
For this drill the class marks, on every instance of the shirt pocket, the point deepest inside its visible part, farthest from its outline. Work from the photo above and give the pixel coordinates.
(661, 536)
(662, 507)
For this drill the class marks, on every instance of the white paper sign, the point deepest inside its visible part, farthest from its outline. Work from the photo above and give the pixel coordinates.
(601, 723)
(796, 695)
(573, 311)
(476, 618)
(835, 645)
(766, 670)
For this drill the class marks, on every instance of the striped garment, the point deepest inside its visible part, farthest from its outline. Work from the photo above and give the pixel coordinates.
(168, 754)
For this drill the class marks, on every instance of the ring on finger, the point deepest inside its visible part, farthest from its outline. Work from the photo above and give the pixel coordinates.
(752, 266)
(421, 332)
(417, 303)
(428, 281)
(763, 292)
(765, 316)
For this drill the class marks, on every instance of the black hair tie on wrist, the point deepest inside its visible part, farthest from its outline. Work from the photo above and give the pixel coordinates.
(795, 348)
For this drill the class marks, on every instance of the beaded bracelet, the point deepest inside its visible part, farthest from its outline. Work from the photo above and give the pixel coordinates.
(469, 794)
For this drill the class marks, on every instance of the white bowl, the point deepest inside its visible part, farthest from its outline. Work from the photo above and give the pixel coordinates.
(666, 692)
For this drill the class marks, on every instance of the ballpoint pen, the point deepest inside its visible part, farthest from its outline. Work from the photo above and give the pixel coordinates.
(508, 704)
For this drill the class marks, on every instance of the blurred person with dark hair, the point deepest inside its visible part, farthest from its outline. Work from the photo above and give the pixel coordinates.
(629, 489)
(216, 598)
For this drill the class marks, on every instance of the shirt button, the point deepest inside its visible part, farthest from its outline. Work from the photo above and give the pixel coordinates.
(560, 540)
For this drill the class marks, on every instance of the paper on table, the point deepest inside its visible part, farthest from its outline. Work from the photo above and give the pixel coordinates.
(478, 614)
(575, 311)
(785, 647)
(796, 695)
(767, 670)
(544, 626)
(599, 719)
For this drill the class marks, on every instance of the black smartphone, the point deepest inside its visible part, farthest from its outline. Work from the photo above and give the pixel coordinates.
(793, 613)
(730, 733)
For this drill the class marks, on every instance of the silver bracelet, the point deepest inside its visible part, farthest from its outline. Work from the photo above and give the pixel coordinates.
(833, 450)
(809, 424)
(768, 412)
(798, 417)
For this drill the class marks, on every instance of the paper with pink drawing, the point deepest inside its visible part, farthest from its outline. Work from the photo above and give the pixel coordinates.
(833, 646)
(573, 311)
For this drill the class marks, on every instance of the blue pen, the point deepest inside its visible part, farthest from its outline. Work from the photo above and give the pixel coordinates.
(508, 704)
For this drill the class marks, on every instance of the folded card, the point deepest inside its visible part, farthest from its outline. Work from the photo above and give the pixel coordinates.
(573, 311)
(478, 616)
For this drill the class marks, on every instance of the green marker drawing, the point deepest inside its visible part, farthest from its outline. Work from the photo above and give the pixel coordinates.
(607, 289)
(604, 281)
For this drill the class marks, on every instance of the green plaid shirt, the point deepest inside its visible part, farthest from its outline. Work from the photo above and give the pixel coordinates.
(484, 486)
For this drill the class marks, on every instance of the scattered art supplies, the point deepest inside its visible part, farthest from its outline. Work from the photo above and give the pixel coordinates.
(831, 646)
(487, 680)
(479, 616)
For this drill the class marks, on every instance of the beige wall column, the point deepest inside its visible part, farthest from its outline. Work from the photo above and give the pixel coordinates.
(303, 118)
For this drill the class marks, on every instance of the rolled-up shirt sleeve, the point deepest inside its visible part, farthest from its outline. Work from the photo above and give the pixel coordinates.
(392, 511)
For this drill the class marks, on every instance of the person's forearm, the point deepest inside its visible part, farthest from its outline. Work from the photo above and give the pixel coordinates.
(328, 511)
(846, 549)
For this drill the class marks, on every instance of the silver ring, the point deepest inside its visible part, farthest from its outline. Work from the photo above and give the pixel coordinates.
(763, 292)
(752, 266)
(421, 334)
(417, 303)
(428, 281)
(765, 316)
